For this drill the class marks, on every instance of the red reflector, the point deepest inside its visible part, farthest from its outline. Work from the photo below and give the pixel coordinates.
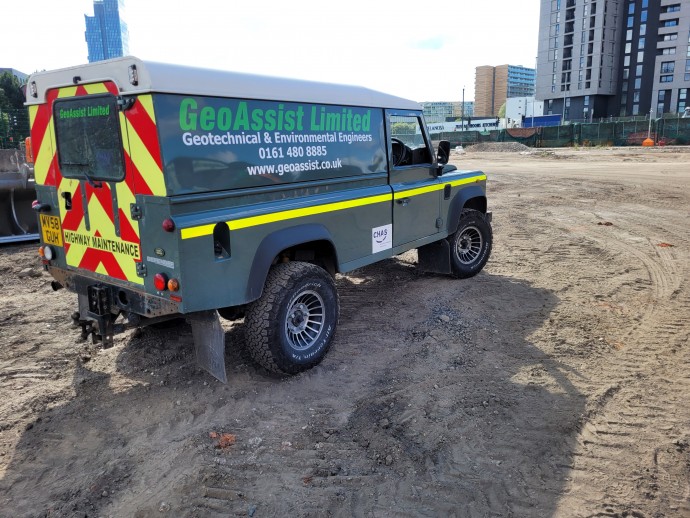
(168, 225)
(160, 281)
(176, 298)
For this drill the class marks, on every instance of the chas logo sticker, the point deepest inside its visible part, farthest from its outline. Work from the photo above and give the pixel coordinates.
(381, 238)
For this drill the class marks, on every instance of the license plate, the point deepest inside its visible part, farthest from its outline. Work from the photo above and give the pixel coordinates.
(52, 231)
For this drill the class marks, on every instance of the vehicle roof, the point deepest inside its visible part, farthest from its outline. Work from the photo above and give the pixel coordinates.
(177, 79)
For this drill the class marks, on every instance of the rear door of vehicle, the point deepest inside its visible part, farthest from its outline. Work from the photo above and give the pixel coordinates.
(96, 183)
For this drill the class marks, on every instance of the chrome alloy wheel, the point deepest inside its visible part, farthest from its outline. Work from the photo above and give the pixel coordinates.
(304, 320)
(469, 245)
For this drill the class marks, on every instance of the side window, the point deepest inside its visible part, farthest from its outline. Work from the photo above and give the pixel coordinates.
(409, 147)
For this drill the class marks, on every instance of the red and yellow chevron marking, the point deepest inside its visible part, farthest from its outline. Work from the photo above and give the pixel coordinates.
(99, 249)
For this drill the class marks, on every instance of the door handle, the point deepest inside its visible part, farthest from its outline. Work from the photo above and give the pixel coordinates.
(403, 201)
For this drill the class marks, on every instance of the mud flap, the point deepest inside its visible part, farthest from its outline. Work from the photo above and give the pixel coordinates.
(435, 257)
(209, 342)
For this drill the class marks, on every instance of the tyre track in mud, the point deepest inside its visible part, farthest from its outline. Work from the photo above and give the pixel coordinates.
(636, 408)
(643, 412)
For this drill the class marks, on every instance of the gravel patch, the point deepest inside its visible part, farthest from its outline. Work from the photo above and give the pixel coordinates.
(498, 147)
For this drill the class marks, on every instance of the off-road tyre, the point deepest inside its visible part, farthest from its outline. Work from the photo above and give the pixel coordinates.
(470, 245)
(291, 326)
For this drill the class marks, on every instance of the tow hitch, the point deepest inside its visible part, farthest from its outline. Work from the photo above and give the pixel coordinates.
(98, 313)
(99, 310)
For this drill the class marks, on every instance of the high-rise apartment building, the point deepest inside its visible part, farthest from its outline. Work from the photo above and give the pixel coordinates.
(493, 85)
(600, 58)
(106, 32)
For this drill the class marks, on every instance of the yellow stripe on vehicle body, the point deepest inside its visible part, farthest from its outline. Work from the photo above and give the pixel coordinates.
(96, 88)
(68, 91)
(33, 110)
(146, 165)
(438, 186)
(471, 179)
(252, 221)
(43, 156)
(417, 191)
(147, 102)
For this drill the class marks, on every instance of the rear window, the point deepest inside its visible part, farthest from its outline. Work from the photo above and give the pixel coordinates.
(89, 142)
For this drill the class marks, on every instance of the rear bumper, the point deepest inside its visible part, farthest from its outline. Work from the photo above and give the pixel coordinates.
(119, 297)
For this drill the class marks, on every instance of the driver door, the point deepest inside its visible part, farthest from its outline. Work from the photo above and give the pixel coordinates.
(416, 189)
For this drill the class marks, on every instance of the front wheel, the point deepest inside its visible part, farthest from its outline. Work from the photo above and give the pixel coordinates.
(291, 326)
(470, 245)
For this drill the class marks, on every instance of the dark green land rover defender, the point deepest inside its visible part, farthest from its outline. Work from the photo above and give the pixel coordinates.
(166, 191)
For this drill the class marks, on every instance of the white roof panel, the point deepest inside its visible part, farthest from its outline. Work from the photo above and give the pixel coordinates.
(176, 79)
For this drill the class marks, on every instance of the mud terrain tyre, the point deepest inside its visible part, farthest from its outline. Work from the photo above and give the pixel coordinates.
(291, 326)
(470, 245)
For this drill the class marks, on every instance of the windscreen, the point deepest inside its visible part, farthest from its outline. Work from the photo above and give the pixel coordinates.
(89, 142)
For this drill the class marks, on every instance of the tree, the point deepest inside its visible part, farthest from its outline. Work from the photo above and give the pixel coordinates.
(502, 111)
(14, 121)
(11, 94)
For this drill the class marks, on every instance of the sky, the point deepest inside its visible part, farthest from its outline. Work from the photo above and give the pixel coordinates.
(420, 51)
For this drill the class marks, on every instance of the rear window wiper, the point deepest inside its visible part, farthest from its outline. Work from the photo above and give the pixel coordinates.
(91, 181)
(77, 164)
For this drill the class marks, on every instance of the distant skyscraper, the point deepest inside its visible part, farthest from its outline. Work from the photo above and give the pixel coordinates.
(106, 32)
(493, 85)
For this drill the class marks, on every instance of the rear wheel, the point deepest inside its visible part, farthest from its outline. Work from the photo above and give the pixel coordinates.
(470, 245)
(291, 326)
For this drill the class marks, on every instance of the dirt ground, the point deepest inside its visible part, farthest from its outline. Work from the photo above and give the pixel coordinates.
(554, 383)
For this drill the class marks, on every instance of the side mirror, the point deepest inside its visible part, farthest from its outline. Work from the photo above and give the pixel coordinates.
(443, 152)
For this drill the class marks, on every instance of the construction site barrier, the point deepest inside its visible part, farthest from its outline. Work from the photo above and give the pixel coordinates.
(663, 131)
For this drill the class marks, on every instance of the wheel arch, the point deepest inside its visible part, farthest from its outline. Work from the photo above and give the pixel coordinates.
(471, 197)
(310, 243)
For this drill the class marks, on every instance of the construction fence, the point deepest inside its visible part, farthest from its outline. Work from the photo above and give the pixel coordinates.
(666, 131)
(14, 128)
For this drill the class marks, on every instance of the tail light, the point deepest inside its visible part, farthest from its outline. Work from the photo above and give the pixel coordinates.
(173, 285)
(46, 252)
(168, 225)
(160, 281)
